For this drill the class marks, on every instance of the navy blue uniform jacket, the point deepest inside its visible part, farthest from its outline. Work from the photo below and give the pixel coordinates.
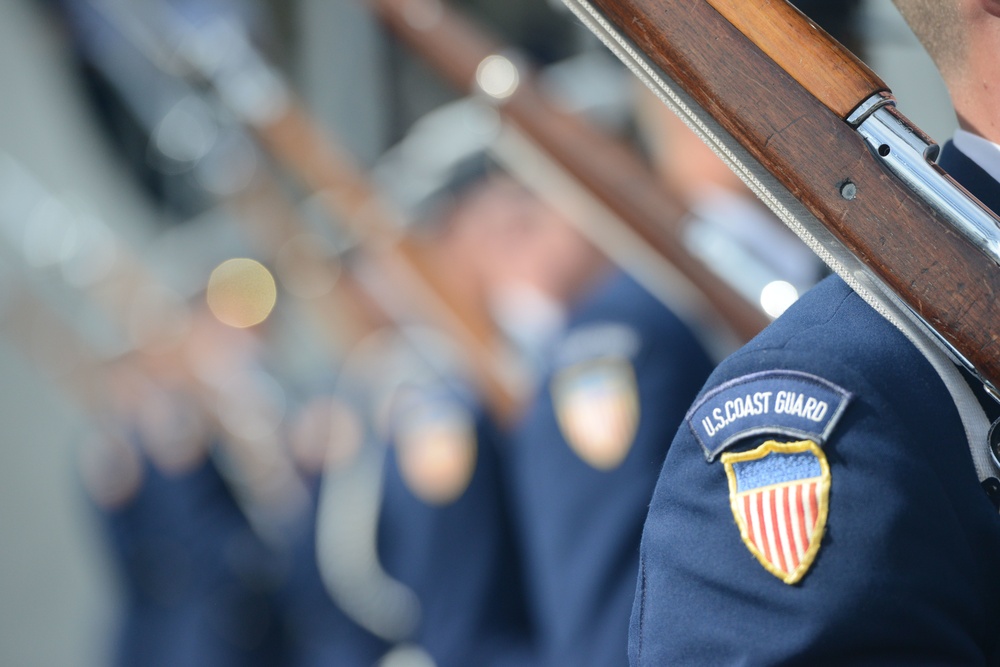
(200, 586)
(907, 571)
(580, 524)
(458, 557)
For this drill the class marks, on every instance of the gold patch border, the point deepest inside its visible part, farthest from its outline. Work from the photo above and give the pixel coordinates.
(564, 377)
(825, 478)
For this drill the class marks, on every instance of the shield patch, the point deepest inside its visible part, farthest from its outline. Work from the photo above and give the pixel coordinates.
(597, 407)
(436, 452)
(779, 494)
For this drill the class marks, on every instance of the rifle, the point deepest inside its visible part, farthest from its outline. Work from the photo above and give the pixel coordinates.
(53, 346)
(153, 321)
(221, 55)
(817, 136)
(603, 170)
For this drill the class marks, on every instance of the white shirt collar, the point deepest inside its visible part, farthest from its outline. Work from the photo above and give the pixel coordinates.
(982, 151)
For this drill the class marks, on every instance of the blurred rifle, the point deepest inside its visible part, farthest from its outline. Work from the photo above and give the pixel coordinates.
(639, 210)
(219, 53)
(152, 321)
(53, 346)
(818, 137)
(190, 134)
(110, 467)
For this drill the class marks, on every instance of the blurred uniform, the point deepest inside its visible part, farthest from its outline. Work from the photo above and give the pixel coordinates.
(573, 472)
(199, 583)
(199, 539)
(820, 505)
(584, 462)
(444, 529)
(445, 532)
(319, 633)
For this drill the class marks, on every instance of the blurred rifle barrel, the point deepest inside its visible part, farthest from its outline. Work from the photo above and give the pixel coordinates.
(54, 346)
(261, 99)
(154, 321)
(604, 167)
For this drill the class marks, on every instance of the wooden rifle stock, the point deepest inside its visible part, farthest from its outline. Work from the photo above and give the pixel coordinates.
(608, 170)
(734, 87)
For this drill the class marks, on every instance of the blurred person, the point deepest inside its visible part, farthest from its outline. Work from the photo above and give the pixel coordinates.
(577, 470)
(616, 376)
(444, 528)
(200, 578)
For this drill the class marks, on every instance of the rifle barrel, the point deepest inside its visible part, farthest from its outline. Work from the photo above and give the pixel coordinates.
(296, 140)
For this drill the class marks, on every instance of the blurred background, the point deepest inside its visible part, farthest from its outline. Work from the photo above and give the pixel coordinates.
(141, 147)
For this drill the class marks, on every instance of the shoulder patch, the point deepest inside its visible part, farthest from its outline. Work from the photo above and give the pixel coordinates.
(779, 494)
(436, 451)
(791, 403)
(597, 406)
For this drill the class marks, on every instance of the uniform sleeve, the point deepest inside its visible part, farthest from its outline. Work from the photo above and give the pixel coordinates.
(580, 509)
(454, 550)
(902, 571)
(199, 584)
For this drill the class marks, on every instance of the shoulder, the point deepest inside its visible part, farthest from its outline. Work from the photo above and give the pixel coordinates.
(620, 298)
(826, 430)
(621, 319)
(618, 380)
(622, 330)
(833, 333)
(836, 350)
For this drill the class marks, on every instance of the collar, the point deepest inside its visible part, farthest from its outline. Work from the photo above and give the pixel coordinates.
(975, 163)
(982, 151)
(970, 175)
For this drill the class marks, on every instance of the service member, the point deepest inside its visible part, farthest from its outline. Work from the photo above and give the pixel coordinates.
(444, 527)
(585, 460)
(200, 584)
(820, 504)
(616, 380)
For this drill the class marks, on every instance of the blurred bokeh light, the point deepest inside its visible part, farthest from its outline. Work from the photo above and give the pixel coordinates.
(241, 292)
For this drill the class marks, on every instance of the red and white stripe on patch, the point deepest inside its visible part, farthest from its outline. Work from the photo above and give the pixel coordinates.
(782, 523)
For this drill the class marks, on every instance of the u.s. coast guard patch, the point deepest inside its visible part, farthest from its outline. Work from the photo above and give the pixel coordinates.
(769, 403)
(779, 494)
(597, 407)
(436, 449)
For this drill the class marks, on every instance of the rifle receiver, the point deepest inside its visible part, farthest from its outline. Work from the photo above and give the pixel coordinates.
(909, 153)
